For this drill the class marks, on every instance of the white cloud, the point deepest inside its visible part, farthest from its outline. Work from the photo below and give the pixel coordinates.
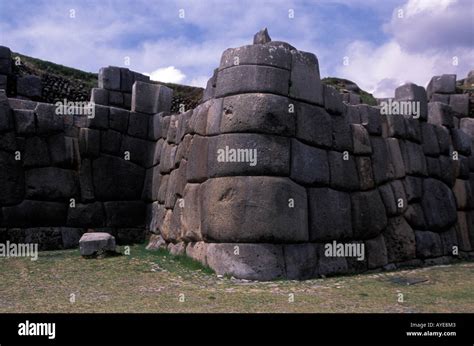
(420, 48)
(168, 74)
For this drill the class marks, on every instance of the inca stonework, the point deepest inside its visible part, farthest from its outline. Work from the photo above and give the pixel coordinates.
(258, 181)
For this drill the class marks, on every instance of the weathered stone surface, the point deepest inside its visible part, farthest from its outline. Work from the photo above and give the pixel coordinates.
(332, 99)
(313, 125)
(413, 92)
(86, 215)
(396, 126)
(309, 165)
(461, 141)
(163, 188)
(177, 249)
(125, 213)
(100, 96)
(29, 86)
(262, 55)
(110, 142)
(399, 240)
(396, 165)
(305, 79)
(37, 213)
(96, 242)
(428, 244)
(364, 169)
(329, 214)
(51, 183)
(71, 236)
(444, 84)
(361, 139)
(261, 37)
(85, 181)
(101, 118)
(191, 220)
(152, 184)
(449, 241)
(253, 262)
(197, 251)
(198, 122)
(467, 125)
(89, 142)
(127, 78)
(301, 261)
(372, 120)
(127, 236)
(447, 167)
(415, 217)
(109, 78)
(430, 140)
(118, 119)
(368, 214)
(248, 154)
(388, 199)
(440, 114)
(154, 127)
(380, 160)
(155, 215)
(12, 181)
(47, 238)
(343, 172)
(24, 121)
(138, 125)
(261, 113)
(463, 232)
(444, 139)
(462, 193)
(460, 104)
(253, 209)
(47, 119)
(376, 252)
(328, 266)
(36, 153)
(116, 179)
(413, 158)
(342, 134)
(252, 78)
(138, 149)
(151, 98)
(413, 130)
(440, 98)
(438, 204)
(116, 98)
(64, 151)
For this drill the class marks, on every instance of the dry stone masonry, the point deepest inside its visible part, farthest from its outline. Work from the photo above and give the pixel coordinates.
(274, 175)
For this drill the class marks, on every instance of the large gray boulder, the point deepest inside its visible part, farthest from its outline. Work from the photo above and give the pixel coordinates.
(329, 214)
(305, 79)
(252, 79)
(257, 54)
(368, 214)
(247, 261)
(151, 98)
(314, 124)
(263, 113)
(439, 205)
(51, 183)
(253, 209)
(94, 243)
(444, 84)
(399, 240)
(309, 165)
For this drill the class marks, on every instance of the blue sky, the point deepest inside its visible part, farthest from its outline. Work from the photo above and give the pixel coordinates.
(386, 43)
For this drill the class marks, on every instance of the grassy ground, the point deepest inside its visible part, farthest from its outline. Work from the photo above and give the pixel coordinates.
(147, 281)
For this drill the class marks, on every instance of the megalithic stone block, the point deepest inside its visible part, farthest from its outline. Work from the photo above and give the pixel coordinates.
(100, 96)
(305, 79)
(368, 214)
(439, 205)
(460, 104)
(29, 86)
(12, 179)
(251, 261)
(257, 55)
(51, 183)
(399, 240)
(263, 113)
(309, 165)
(253, 209)
(261, 37)
(109, 78)
(413, 93)
(444, 84)
(252, 78)
(151, 98)
(313, 124)
(440, 114)
(5, 60)
(329, 214)
(35, 213)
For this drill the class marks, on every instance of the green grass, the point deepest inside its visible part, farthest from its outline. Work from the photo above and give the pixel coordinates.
(152, 281)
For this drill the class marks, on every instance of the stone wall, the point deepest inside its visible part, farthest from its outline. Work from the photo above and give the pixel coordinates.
(258, 179)
(326, 171)
(62, 174)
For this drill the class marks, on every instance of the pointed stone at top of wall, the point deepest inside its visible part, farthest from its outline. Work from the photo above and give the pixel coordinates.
(261, 37)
